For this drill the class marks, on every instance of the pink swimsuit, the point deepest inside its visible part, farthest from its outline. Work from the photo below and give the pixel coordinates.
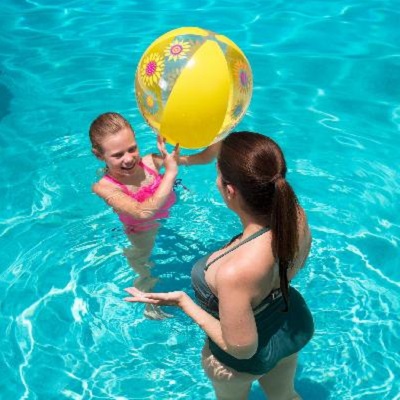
(133, 225)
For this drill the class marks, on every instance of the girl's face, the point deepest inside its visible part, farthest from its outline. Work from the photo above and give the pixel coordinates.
(120, 152)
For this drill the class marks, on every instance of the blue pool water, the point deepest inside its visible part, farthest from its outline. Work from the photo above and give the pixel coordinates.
(327, 88)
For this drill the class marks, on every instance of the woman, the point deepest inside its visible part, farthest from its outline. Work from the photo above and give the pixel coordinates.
(255, 322)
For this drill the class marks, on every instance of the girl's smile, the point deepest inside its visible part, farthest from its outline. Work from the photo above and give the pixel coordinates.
(121, 153)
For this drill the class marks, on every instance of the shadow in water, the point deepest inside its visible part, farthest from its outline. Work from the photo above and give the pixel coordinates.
(5, 101)
(306, 388)
(176, 254)
(309, 389)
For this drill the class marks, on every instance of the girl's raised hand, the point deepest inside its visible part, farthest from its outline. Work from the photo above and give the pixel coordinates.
(170, 159)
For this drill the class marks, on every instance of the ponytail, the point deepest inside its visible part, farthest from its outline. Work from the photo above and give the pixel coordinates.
(284, 227)
(247, 160)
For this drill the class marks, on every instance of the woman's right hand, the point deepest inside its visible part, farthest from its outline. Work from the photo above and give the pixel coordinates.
(175, 299)
(170, 160)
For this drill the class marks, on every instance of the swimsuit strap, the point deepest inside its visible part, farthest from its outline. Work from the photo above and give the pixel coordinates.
(123, 186)
(113, 180)
(251, 237)
(147, 169)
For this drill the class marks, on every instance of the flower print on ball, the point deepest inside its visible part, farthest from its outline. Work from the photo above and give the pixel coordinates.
(242, 76)
(237, 111)
(152, 69)
(177, 50)
(149, 100)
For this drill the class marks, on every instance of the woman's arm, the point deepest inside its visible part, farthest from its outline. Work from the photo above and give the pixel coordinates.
(203, 157)
(238, 327)
(235, 332)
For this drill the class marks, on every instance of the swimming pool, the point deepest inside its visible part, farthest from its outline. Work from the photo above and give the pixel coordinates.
(327, 79)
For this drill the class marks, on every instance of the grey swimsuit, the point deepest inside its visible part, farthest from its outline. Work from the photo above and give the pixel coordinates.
(280, 334)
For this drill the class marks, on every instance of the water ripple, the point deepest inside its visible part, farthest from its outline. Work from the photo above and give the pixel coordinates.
(325, 87)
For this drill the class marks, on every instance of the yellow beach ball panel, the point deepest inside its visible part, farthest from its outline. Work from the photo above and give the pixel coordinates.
(193, 86)
(196, 108)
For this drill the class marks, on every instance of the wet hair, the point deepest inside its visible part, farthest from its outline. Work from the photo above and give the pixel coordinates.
(255, 165)
(104, 125)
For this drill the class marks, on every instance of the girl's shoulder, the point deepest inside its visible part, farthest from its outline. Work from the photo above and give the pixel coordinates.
(104, 185)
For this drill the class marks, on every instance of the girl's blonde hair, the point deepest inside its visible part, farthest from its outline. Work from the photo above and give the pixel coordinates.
(104, 125)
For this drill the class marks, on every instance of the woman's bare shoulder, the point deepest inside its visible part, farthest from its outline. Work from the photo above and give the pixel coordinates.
(249, 264)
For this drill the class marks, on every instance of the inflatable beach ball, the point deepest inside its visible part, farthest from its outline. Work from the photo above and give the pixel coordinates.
(193, 86)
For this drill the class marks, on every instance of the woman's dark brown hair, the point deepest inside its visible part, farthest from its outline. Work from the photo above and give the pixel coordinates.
(255, 165)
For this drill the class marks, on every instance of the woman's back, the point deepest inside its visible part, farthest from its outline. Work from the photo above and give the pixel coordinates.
(254, 264)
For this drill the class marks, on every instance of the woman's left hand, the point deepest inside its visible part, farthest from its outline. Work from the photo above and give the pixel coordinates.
(159, 299)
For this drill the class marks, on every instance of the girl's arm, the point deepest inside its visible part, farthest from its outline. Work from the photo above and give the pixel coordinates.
(122, 203)
(235, 332)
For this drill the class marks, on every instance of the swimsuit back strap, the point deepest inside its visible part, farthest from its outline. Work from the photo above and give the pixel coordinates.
(251, 237)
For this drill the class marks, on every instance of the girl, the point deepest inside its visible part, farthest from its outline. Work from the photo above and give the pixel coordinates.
(133, 187)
